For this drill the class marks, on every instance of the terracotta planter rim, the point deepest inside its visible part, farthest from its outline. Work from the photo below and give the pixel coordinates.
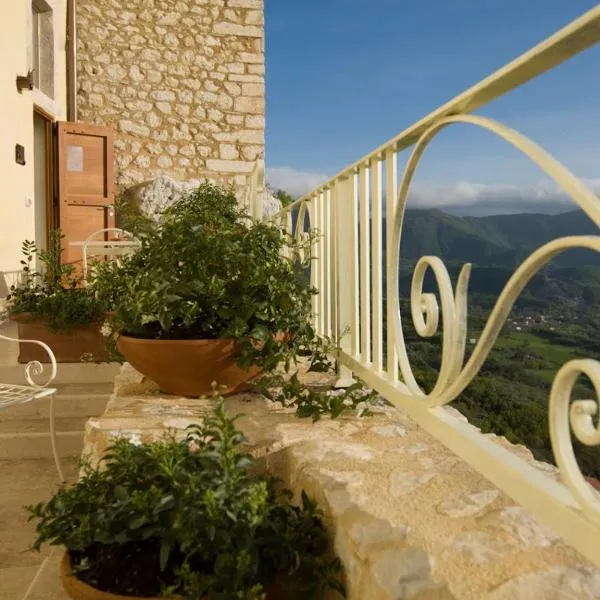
(79, 590)
(187, 340)
(194, 341)
(68, 346)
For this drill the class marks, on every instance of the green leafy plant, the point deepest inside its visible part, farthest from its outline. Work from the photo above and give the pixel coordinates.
(128, 215)
(54, 294)
(284, 197)
(207, 271)
(313, 402)
(189, 518)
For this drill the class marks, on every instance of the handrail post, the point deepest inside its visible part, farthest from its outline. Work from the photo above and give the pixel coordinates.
(346, 276)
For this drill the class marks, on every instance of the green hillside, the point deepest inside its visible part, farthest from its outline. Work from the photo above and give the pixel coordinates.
(502, 240)
(496, 246)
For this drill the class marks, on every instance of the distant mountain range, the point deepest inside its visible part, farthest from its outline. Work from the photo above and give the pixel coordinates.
(503, 240)
(496, 245)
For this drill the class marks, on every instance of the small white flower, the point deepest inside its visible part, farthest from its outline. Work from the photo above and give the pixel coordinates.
(347, 402)
(135, 440)
(106, 329)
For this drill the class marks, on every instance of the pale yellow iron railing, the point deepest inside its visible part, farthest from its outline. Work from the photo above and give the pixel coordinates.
(255, 189)
(348, 210)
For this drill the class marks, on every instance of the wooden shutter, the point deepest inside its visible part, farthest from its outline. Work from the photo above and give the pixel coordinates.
(85, 183)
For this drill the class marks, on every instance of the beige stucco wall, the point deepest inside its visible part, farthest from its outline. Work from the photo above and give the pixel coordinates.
(180, 81)
(17, 213)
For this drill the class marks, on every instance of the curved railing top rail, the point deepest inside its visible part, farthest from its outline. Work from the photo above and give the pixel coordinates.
(574, 38)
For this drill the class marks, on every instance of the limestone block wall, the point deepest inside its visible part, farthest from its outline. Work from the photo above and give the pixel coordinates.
(180, 81)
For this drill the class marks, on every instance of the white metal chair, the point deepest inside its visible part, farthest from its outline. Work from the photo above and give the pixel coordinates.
(93, 246)
(12, 395)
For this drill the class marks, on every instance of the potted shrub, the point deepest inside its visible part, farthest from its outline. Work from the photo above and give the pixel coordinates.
(53, 307)
(186, 519)
(209, 297)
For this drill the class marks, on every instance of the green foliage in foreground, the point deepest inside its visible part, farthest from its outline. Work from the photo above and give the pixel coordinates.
(189, 518)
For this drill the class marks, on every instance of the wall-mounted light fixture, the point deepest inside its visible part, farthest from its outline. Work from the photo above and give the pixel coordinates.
(25, 82)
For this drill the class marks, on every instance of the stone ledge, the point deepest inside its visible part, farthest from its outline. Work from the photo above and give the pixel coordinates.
(408, 518)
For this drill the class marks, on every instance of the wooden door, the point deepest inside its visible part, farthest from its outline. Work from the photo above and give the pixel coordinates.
(85, 184)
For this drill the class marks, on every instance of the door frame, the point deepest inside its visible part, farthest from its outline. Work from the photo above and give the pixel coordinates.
(51, 216)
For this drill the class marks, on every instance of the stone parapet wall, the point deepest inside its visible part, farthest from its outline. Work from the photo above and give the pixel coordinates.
(180, 81)
(407, 517)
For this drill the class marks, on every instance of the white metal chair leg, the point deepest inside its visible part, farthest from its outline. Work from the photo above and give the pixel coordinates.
(53, 441)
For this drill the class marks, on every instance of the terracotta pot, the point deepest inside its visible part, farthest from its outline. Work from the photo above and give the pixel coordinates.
(71, 346)
(78, 590)
(187, 367)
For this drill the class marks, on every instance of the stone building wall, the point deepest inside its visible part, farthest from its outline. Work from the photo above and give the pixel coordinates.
(180, 81)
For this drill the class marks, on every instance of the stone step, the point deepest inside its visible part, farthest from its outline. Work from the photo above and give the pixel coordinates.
(78, 389)
(62, 424)
(67, 373)
(18, 446)
(89, 401)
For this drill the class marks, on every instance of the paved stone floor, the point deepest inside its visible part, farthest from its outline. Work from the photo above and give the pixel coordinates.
(27, 575)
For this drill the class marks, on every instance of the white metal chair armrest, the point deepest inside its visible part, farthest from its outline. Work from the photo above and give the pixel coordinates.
(35, 367)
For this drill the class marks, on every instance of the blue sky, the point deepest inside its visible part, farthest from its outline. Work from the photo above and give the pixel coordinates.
(343, 76)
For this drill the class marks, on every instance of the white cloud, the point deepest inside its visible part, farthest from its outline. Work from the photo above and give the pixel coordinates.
(463, 197)
(479, 198)
(293, 181)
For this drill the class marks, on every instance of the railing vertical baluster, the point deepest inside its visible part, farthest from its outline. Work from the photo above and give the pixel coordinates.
(334, 287)
(326, 289)
(284, 222)
(315, 263)
(376, 260)
(346, 276)
(365, 264)
(354, 289)
(347, 265)
(391, 262)
(323, 260)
